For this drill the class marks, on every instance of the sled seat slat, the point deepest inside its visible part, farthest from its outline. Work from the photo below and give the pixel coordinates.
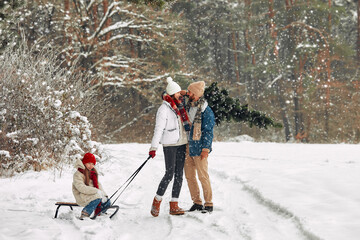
(69, 204)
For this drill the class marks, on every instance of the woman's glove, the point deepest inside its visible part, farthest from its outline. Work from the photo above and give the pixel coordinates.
(152, 153)
(184, 93)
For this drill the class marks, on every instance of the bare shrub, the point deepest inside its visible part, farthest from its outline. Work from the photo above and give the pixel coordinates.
(39, 124)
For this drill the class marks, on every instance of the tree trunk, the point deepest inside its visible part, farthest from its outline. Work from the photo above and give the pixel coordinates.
(216, 53)
(235, 57)
(273, 31)
(108, 35)
(288, 4)
(67, 37)
(252, 84)
(299, 132)
(329, 18)
(328, 78)
(240, 66)
(279, 89)
(95, 20)
(95, 16)
(358, 35)
(107, 24)
(132, 46)
(285, 119)
(246, 74)
(328, 82)
(299, 121)
(229, 59)
(139, 49)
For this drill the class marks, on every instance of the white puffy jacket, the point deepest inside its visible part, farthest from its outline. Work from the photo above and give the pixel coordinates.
(167, 130)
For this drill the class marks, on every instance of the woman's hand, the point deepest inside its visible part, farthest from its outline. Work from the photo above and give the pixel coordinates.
(184, 92)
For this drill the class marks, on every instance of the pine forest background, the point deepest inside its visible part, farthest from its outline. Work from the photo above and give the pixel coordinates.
(75, 73)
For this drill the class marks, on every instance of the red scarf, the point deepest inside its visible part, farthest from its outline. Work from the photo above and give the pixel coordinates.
(179, 109)
(93, 177)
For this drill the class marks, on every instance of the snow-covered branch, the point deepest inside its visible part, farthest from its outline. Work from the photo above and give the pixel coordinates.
(90, 5)
(115, 26)
(275, 80)
(104, 19)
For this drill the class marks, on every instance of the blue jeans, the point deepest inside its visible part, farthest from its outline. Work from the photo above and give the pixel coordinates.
(93, 204)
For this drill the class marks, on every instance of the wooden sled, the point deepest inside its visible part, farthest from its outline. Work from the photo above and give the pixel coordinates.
(71, 205)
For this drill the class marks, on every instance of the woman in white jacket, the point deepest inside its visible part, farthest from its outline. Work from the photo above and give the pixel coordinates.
(172, 125)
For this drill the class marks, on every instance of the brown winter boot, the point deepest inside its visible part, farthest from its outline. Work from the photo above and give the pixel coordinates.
(155, 208)
(175, 210)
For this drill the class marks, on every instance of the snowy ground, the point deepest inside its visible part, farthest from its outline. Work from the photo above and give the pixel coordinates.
(261, 191)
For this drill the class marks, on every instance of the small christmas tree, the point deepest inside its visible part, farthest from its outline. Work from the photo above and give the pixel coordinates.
(228, 108)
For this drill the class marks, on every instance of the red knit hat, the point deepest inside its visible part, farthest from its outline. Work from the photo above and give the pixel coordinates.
(89, 158)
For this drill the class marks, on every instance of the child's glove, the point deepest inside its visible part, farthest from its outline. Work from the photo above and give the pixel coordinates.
(102, 196)
(104, 199)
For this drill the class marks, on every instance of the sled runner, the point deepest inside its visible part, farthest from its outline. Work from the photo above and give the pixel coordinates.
(71, 205)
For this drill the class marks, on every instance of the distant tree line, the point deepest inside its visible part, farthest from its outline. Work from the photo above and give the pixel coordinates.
(296, 61)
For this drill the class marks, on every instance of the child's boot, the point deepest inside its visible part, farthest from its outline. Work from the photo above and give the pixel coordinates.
(84, 215)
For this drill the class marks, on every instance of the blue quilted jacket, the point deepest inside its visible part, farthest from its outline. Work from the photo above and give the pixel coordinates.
(207, 126)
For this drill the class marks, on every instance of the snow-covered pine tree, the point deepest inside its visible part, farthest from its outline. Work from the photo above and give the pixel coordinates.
(228, 108)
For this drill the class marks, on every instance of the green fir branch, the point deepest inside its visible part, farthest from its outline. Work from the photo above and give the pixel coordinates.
(228, 108)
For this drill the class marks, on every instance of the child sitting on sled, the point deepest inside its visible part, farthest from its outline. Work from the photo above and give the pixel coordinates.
(86, 188)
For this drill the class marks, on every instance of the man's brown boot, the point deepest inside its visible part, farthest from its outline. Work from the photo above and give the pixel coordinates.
(175, 210)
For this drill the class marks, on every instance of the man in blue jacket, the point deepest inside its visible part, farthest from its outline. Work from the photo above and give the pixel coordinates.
(200, 140)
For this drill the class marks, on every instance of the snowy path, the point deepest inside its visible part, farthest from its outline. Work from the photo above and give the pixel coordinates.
(261, 191)
(240, 215)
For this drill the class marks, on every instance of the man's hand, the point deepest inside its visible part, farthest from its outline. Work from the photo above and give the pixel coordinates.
(204, 154)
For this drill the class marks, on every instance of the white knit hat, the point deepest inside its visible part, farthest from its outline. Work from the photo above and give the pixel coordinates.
(172, 86)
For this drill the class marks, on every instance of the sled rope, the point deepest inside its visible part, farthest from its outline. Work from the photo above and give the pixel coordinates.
(130, 179)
